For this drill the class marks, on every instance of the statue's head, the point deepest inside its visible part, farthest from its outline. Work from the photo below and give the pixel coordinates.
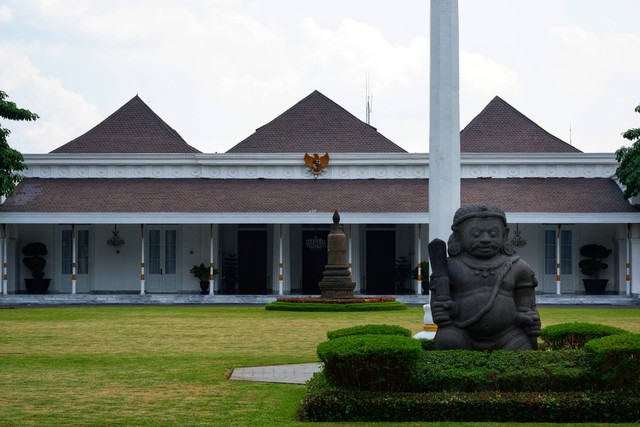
(481, 231)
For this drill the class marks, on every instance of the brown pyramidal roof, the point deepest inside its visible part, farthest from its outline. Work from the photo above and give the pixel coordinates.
(133, 128)
(316, 124)
(500, 128)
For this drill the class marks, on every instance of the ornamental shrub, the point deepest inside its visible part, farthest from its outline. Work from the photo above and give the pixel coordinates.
(509, 371)
(370, 330)
(324, 402)
(575, 335)
(335, 307)
(615, 361)
(370, 362)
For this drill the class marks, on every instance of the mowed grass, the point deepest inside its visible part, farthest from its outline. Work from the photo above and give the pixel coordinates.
(169, 365)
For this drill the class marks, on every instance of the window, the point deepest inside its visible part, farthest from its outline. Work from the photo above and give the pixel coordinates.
(83, 252)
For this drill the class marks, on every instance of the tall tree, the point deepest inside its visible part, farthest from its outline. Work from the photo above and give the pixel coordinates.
(629, 157)
(11, 161)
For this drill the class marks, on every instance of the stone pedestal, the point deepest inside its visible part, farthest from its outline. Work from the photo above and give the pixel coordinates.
(336, 278)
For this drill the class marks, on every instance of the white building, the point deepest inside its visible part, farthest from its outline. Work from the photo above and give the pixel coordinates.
(261, 216)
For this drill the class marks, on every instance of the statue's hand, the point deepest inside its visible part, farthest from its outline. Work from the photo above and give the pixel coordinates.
(529, 322)
(442, 309)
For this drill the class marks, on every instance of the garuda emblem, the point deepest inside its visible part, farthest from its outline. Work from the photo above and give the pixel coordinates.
(316, 164)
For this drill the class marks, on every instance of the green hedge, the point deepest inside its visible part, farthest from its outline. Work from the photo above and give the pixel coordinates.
(615, 361)
(501, 370)
(370, 330)
(575, 335)
(324, 402)
(368, 306)
(370, 362)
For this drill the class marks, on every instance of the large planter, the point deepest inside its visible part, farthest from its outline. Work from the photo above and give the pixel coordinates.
(37, 286)
(595, 286)
(204, 287)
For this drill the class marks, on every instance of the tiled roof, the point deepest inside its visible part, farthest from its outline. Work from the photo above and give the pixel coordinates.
(316, 124)
(556, 195)
(566, 195)
(500, 128)
(133, 128)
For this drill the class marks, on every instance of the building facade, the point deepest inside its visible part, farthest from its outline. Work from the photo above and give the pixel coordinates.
(130, 207)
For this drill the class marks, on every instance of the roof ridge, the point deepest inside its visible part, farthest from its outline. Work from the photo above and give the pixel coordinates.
(305, 125)
(125, 131)
(485, 123)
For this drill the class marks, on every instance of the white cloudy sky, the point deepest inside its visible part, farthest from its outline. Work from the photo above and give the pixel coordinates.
(216, 70)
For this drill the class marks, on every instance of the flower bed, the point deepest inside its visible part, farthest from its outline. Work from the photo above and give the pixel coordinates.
(336, 304)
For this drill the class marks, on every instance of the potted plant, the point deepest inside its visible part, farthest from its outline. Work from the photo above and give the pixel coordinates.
(592, 265)
(34, 260)
(201, 272)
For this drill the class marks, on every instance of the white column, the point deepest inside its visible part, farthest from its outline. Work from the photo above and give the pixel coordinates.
(349, 253)
(558, 242)
(142, 259)
(5, 257)
(211, 265)
(419, 252)
(634, 255)
(628, 261)
(74, 259)
(280, 263)
(444, 126)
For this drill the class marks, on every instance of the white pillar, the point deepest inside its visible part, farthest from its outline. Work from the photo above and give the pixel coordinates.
(634, 255)
(280, 264)
(558, 243)
(211, 265)
(444, 127)
(74, 259)
(5, 257)
(419, 252)
(142, 259)
(628, 261)
(349, 254)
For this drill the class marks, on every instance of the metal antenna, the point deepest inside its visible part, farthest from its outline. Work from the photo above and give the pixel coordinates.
(369, 102)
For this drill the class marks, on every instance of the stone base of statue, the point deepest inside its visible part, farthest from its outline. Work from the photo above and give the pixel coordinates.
(336, 278)
(336, 282)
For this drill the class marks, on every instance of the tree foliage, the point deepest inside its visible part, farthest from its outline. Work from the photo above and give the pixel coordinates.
(11, 161)
(628, 172)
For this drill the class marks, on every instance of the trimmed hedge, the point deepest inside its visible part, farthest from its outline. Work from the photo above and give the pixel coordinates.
(501, 370)
(324, 402)
(334, 307)
(370, 362)
(566, 336)
(615, 361)
(370, 330)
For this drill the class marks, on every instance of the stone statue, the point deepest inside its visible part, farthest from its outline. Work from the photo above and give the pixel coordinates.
(336, 278)
(483, 295)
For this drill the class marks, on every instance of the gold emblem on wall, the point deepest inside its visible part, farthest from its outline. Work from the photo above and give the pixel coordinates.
(316, 164)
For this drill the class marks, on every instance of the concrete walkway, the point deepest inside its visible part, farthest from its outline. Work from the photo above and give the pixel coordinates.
(288, 374)
(24, 300)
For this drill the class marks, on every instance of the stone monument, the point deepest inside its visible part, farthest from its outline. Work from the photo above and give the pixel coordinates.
(482, 295)
(336, 278)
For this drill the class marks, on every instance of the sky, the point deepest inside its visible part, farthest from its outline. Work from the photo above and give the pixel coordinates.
(216, 70)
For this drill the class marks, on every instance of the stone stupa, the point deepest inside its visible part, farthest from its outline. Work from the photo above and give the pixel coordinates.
(336, 278)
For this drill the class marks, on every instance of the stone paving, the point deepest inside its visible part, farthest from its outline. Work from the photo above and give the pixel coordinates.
(196, 299)
(288, 374)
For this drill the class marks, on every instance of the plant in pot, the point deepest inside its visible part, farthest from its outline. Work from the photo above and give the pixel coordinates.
(592, 265)
(201, 272)
(34, 260)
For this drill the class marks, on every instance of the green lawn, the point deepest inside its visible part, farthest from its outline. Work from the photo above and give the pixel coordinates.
(169, 365)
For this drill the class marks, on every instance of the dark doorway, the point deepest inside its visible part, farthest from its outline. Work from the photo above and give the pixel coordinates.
(252, 262)
(381, 251)
(314, 259)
